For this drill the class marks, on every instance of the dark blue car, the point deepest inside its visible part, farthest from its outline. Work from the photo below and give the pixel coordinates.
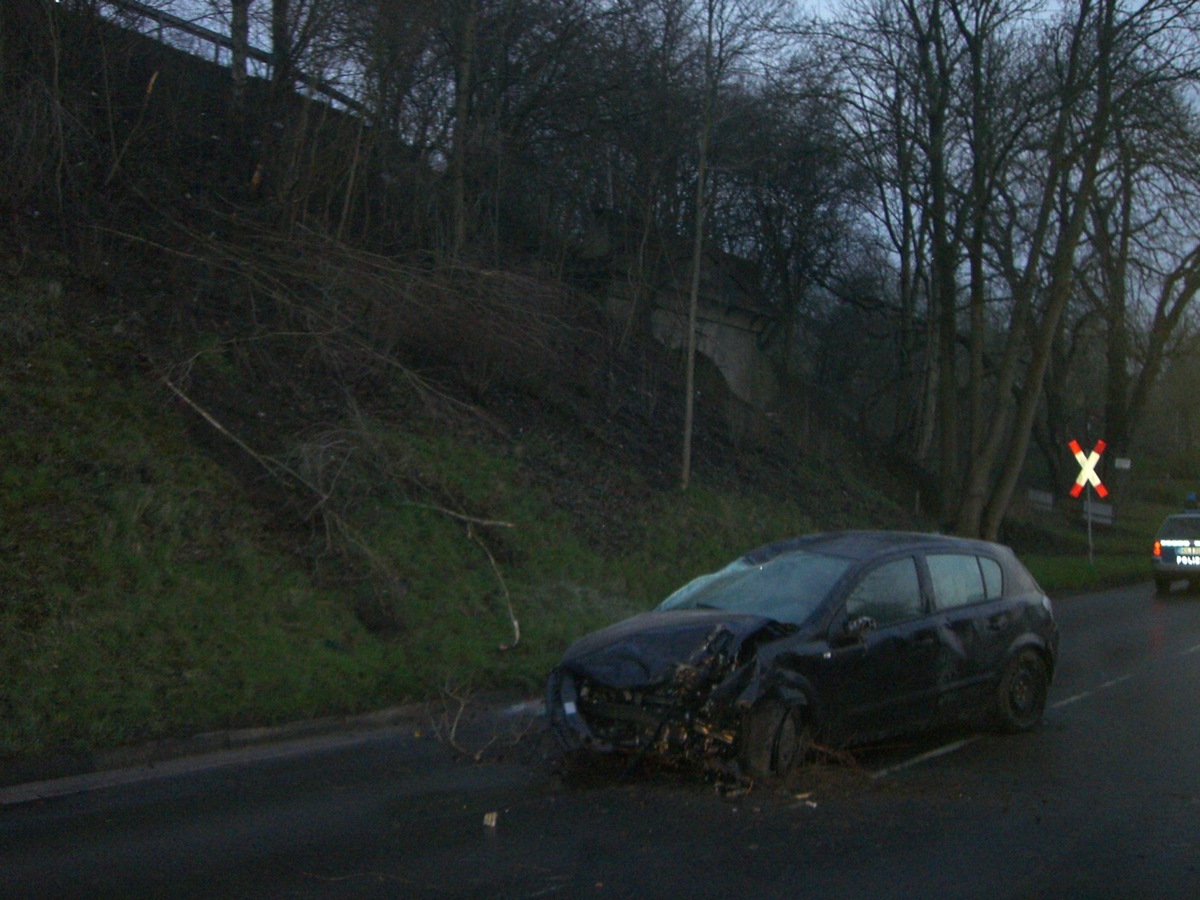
(837, 638)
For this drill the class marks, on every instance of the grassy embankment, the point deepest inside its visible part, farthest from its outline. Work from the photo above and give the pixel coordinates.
(1120, 553)
(145, 596)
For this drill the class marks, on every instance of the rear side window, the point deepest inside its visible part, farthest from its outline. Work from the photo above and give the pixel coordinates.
(993, 578)
(957, 579)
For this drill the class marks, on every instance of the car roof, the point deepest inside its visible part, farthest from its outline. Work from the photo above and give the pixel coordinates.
(1188, 515)
(860, 545)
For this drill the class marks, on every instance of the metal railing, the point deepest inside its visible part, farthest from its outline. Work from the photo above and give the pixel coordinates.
(164, 19)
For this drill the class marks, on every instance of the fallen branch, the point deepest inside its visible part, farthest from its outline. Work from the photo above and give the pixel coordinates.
(273, 466)
(470, 520)
(278, 469)
(446, 726)
(512, 616)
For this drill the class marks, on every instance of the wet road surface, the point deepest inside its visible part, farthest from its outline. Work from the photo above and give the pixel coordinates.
(1102, 801)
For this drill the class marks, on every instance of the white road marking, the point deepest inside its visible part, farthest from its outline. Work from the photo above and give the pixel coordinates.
(924, 757)
(1073, 699)
(958, 745)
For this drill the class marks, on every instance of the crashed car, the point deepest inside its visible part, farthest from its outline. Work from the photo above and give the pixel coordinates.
(829, 639)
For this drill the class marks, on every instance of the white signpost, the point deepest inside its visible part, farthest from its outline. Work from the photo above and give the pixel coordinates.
(1086, 480)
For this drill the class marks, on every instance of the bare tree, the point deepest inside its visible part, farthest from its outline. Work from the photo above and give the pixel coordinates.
(731, 32)
(1008, 122)
(883, 92)
(1140, 270)
(1100, 79)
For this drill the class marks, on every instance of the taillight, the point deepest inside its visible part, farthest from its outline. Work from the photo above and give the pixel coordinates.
(1157, 549)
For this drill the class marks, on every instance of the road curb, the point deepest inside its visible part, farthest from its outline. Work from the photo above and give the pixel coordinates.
(150, 753)
(29, 779)
(58, 777)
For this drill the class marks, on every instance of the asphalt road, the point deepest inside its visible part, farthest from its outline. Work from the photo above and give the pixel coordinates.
(1102, 801)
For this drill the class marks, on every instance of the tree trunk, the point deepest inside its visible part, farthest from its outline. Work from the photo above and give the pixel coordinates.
(1058, 294)
(462, 112)
(944, 294)
(281, 48)
(1176, 294)
(239, 34)
(1061, 268)
(1116, 382)
(689, 402)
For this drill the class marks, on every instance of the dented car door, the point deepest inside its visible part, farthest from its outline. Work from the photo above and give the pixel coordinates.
(977, 627)
(880, 673)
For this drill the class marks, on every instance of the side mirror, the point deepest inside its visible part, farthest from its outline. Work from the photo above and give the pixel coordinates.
(857, 626)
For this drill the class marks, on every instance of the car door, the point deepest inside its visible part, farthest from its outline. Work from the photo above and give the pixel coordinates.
(975, 627)
(880, 670)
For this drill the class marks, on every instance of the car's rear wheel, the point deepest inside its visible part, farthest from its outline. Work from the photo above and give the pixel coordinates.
(1162, 584)
(774, 740)
(1021, 695)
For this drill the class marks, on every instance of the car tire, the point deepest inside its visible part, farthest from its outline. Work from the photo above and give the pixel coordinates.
(775, 739)
(1162, 584)
(1021, 694)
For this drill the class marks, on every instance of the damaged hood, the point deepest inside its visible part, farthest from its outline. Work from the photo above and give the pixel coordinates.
(648, 649)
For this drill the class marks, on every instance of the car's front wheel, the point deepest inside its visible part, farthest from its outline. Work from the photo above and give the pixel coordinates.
(775, 738)
(1021, 694)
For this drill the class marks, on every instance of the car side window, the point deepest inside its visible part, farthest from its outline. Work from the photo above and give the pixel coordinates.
(993, 579)
(956, 578)
(888, 593)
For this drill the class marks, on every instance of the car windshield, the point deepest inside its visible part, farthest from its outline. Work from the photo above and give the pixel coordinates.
(788, 588)
(1180, 527)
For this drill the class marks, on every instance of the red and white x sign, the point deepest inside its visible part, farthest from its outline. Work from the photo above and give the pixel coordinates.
(1087, 469)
